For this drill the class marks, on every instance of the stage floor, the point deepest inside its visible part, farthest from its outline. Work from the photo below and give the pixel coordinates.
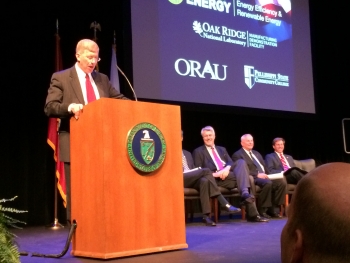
(231, 241)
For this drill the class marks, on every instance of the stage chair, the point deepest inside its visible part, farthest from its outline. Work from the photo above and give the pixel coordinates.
(229, 195)
(307, 165)
(191, 194)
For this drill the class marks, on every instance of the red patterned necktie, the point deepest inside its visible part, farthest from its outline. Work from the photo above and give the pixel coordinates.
(90, 94)
(217, 159)
(285, 166)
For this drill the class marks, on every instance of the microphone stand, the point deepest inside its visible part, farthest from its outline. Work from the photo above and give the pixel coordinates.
(133, 91)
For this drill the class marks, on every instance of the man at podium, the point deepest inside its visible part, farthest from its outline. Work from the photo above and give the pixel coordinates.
(70, 90)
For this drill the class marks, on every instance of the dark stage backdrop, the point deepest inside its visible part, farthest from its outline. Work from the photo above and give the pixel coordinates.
(27, 45)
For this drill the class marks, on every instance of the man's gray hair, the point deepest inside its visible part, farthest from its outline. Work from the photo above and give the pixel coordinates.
(207, 128)
(245, 135)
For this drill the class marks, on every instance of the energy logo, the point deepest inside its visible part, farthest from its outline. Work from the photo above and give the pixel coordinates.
(176, 2)
(216, 5)
(146, 147)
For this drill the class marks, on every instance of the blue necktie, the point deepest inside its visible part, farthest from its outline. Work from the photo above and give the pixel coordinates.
(258, 166)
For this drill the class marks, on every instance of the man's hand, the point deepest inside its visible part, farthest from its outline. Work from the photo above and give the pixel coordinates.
(222, 174)
(263, 176)
(76, 109)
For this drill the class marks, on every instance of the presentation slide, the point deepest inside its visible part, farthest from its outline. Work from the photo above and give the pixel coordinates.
(245, 53)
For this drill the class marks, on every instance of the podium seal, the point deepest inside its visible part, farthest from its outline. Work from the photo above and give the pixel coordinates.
(146, 147)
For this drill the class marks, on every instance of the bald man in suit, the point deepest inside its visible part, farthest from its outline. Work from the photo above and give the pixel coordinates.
(68, 93)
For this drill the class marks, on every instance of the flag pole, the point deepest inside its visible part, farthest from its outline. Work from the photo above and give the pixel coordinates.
(113, 77)
(96, 26)
(53, 139)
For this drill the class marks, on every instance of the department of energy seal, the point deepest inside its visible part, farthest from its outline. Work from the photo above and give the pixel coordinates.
(146, 147)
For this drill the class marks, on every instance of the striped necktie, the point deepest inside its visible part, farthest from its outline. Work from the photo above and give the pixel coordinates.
(283, 161)
(184, 163)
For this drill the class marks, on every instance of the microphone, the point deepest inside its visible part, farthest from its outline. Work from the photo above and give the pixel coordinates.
(132, 89)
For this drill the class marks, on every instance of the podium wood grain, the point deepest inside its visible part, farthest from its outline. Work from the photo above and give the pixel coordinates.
(120, 211)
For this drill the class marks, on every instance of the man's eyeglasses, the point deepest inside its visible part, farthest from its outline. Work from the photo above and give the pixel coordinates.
(93, 59)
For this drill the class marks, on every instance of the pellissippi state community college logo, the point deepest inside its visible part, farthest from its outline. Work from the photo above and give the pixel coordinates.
(146, 147)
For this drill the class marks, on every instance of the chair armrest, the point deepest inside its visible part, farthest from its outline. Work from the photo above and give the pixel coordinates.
(307, 164)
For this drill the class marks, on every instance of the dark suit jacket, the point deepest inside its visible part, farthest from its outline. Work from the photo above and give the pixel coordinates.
(64, 90)
(189, 159)
(274, 164)
(253, 170)
(203, 159)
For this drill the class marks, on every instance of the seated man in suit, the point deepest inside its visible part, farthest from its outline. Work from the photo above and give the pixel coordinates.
(277, 162)
(272, 192)
(227, 173)
(203, 180)
(317, 229)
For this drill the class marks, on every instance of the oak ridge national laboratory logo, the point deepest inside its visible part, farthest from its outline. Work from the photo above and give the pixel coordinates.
(146, 147)
(220, 33)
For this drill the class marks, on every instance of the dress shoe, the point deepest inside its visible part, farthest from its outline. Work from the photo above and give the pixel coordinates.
(208, 222)
(265, 215)
(257, 219)
(231, 209)
(272, 215)
(247, 199)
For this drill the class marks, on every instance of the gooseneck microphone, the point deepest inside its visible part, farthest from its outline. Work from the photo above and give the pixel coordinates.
(133, 91)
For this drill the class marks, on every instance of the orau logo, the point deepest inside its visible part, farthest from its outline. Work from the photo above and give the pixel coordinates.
(194, 68)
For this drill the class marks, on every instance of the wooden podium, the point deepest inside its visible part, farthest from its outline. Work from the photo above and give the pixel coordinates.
(119, 210)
